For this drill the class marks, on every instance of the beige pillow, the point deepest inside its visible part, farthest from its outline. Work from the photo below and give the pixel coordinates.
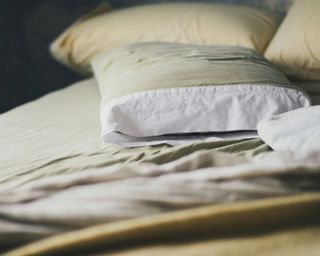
(295, 48)
(202, 24)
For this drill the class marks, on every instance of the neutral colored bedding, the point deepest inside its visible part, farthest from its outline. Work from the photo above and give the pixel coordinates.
(156, 89)
(284, 226)
(116, 194)
(193, 23)
(56, 177)
(297, 130)
(60, 133)
(295, 47)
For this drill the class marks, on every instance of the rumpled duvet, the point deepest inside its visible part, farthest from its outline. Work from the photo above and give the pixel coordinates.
(113, 194)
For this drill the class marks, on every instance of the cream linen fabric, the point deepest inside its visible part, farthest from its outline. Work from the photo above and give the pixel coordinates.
(295, 48)
(203, 24)
(57, 176)
(60, 134)
(141, 192)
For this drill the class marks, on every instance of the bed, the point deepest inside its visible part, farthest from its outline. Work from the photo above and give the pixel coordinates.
(65, 191)
(49, 189)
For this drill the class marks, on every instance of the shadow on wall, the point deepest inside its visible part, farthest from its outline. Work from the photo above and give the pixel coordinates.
(28, 27)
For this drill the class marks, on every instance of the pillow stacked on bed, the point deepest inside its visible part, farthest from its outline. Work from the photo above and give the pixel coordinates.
(193, 23)
(295, 48)
(186, 72)
(153, 89)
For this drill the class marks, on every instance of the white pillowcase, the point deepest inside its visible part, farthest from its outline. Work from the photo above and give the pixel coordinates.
(156, 89)
(297, 130)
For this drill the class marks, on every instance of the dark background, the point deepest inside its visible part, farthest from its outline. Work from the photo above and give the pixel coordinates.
(27, 27)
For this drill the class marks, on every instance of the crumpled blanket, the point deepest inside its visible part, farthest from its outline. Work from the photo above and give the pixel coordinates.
(68, 202)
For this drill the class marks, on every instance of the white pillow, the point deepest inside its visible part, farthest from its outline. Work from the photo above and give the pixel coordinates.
(297, 130)
(154, 89)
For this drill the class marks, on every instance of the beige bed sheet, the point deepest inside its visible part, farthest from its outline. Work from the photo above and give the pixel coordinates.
(60, 134)
(58, 178)
(284, 226)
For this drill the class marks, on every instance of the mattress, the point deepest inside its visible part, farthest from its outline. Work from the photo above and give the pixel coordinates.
(64, 191)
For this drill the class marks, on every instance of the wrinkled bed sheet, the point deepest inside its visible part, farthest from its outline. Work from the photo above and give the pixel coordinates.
(56, 175)
(68, 202)
(60, 134)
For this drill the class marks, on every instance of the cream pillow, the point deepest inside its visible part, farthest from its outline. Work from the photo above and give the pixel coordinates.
(201, 24)
(295, 48)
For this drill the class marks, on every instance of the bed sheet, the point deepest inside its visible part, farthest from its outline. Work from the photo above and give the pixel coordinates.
(60, 133)
(57, 177)
(268, 205)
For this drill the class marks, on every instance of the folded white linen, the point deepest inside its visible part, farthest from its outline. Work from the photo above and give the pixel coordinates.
(297, 130)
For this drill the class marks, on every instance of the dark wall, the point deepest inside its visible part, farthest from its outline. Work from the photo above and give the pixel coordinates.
(27, 70)
(9, 54)
(27, 28)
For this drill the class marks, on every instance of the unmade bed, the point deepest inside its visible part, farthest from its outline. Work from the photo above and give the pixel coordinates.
(196, 133)
(60, 182)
